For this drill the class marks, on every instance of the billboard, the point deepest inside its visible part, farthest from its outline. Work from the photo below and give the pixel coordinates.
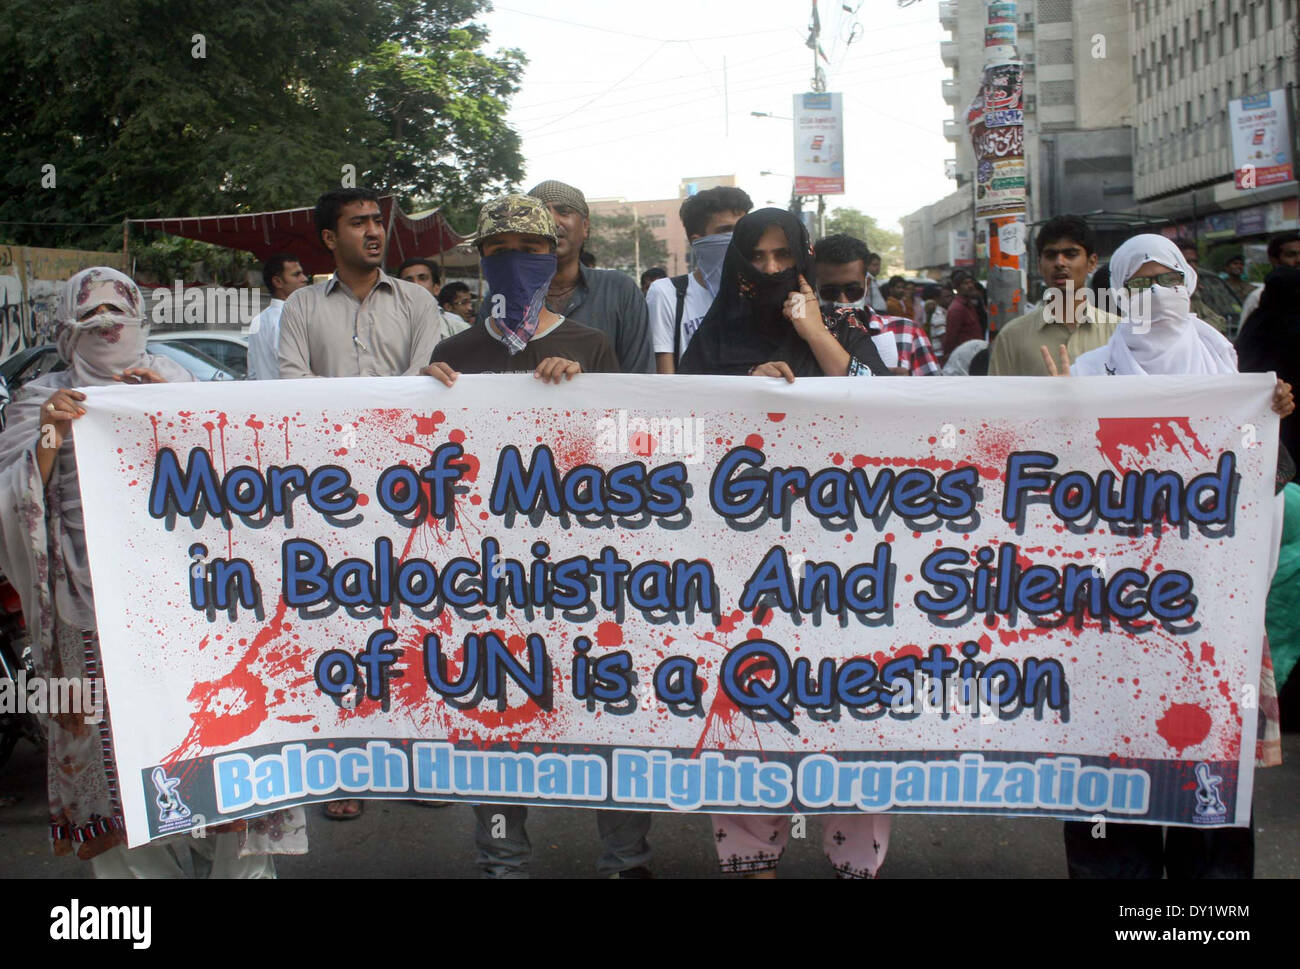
(1261, 140)
(818, 144)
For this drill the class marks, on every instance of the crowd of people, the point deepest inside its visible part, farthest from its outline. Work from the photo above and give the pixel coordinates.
(761, 300)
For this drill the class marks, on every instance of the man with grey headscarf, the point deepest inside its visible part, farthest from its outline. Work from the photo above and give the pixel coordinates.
(101, 336)
(603, 299)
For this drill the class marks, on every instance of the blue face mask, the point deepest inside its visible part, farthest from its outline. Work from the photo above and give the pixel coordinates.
(709, 252)
(518, 282)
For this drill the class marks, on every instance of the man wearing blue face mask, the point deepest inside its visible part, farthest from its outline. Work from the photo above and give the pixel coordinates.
(518, 334)
(517, 240)
(678, 305)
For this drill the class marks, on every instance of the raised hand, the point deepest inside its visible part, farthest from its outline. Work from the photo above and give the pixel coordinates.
(803, 310)
(1053, 368)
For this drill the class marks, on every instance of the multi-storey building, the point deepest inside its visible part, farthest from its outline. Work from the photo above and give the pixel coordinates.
(1189, 59)
(1079, 115)
(660, 216)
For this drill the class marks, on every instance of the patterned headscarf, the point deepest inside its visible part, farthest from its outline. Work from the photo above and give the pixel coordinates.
(557, 193)
(97, 346)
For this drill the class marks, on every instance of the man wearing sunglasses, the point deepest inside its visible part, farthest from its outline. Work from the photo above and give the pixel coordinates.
(1067, 255)
(843, 285)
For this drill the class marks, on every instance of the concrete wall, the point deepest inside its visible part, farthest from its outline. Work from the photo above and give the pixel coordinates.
(31, 284)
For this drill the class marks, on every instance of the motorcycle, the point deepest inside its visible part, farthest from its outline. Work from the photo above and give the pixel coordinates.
(16, 666)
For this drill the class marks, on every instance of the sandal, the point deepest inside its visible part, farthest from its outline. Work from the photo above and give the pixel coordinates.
(337, 810)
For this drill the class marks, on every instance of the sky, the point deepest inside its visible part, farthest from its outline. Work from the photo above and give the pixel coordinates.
(626, 99)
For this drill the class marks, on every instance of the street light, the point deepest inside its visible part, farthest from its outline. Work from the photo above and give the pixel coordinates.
(768, 114)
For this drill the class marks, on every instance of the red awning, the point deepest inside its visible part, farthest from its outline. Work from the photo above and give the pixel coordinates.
(294, 231)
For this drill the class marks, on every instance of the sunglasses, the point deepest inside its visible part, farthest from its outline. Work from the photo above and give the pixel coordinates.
(851, 293)
(1169, 279)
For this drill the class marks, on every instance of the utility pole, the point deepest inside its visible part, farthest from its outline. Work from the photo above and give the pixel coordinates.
(818, 86)
(996, 122)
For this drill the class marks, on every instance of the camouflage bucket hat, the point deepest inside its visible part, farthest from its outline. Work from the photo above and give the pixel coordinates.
(515, 213)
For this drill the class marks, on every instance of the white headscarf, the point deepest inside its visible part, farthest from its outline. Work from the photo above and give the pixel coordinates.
(1158, 334)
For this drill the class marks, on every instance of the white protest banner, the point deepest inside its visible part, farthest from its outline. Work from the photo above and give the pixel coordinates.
(1011, 596)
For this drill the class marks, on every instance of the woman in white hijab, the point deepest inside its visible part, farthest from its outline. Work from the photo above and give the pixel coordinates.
(1153, 285)
(101, 334)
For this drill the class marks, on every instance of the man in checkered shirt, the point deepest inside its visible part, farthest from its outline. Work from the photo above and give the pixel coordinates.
(915, 354)
(841, 263)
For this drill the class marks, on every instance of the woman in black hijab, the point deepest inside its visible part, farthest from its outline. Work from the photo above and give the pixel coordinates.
(766, 320)
(1270, 341)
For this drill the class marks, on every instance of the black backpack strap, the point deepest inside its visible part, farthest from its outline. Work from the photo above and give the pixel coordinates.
(680, 283)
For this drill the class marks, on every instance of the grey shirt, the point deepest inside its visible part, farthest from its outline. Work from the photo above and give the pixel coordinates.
(612, 302)
(326, 332)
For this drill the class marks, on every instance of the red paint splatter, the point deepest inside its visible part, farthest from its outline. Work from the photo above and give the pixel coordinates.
(429, 425)
(1184, 725)
(246, 711)
(609, 634)
(1128, 443)
(755, 441)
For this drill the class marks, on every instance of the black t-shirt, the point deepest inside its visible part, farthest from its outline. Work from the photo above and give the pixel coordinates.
(478, 351)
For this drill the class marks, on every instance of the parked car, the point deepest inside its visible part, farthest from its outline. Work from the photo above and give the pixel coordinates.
(227, 347)
(33, 362)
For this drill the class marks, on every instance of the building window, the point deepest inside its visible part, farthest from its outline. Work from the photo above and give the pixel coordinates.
(1236, 30)
(1055, 93)
(1055, 11)
(1056, 52)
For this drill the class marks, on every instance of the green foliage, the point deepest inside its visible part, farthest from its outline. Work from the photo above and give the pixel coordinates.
(285, 96)
(862, 226)
(171, 257)
(613, 242)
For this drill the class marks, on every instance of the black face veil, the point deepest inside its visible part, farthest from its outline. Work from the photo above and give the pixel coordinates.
(746, 325)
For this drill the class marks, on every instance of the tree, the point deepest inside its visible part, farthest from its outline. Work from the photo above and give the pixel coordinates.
(613, 242)
(862, 226)
(238, 105)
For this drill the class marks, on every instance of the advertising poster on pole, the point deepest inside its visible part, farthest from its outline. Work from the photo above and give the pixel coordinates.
(1261, 140)
(818, 144)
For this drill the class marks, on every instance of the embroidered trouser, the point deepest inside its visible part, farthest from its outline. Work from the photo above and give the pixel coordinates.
(855, 844)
